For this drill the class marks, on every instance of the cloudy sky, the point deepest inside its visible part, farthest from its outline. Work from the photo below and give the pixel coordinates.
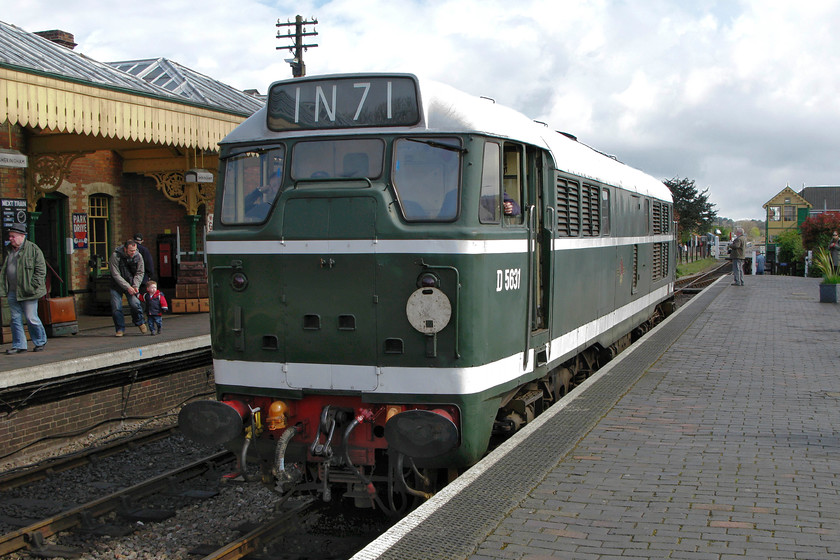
(739, 95)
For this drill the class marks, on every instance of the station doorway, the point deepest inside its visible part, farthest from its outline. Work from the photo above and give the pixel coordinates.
(51, 236)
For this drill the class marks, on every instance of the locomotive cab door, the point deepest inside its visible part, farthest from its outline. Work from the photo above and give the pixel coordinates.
(539, 221)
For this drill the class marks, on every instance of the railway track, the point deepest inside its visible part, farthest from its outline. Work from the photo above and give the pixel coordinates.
(31, 474)
(33, 536)
(259, 537)
(157, 519)
(694, 284)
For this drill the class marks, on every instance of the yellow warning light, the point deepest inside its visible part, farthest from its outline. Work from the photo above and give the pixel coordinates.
(392, 410)
(277, 415)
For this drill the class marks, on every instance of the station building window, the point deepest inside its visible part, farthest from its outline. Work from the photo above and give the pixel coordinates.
(98, 221)
(790, 213)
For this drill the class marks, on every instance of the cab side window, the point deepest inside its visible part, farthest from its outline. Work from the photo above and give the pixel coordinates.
(490, 201)
(514, 181)
(502, 181)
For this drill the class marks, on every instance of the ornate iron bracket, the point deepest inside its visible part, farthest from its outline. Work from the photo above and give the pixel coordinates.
(189, 195)
(48, 172)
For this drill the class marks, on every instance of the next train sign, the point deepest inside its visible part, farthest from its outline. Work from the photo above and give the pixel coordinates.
(360, 101)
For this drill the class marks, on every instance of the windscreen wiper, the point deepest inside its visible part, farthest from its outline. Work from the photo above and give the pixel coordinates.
(441, 145)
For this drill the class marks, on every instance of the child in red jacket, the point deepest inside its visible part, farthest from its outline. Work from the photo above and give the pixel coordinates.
(155, 305)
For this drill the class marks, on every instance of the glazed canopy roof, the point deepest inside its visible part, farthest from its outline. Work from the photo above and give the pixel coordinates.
(49, 86)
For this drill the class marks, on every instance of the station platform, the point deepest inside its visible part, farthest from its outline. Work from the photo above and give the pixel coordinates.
(717, 436)
(95, 347)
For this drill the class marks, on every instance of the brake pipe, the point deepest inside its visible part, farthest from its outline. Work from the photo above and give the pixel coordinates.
(371, 489)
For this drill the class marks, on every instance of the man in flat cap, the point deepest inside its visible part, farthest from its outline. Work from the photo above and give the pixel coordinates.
(23, 280)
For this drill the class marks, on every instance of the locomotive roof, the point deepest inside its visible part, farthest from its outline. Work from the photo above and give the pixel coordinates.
(448, 110)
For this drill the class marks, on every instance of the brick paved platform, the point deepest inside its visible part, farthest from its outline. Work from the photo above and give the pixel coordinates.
(717, 437)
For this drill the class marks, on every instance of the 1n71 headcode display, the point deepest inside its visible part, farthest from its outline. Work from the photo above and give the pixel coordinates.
(343, 103)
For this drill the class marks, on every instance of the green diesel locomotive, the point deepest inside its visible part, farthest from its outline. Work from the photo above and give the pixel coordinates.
(399, 270)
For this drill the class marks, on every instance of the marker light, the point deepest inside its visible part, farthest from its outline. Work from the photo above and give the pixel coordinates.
(427, 280)
(239, 281)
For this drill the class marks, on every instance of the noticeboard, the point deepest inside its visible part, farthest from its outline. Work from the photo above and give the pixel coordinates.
(14, 212)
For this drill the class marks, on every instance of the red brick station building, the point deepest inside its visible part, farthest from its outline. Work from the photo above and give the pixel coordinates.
(92, 152)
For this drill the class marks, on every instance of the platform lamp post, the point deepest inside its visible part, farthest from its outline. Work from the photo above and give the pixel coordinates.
(298, 48)
(33, 218)
(192, 179)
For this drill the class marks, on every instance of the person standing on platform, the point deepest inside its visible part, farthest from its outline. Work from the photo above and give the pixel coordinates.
(24, 282)
(737, 248)
(834, 250)
(156, 306)
(127, 271)
(148, 263)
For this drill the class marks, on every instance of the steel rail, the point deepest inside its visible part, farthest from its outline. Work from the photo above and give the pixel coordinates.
(696, 282)
(16, 540)
(21, 477)
(253, 541)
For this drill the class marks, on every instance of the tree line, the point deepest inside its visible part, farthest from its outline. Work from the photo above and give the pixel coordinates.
(695, 215)
(693, 212)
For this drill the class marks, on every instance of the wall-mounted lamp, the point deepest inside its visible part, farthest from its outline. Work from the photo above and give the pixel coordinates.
(198, 176)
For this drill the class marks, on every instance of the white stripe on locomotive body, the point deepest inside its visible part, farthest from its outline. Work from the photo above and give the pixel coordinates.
(415, 380)
(446, 110)
(417, 246)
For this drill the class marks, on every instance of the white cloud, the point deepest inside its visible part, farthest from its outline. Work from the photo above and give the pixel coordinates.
(739, 96)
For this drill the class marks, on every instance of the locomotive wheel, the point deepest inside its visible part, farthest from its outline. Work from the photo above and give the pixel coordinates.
(564, 382)
(579, 372)
(559, 383)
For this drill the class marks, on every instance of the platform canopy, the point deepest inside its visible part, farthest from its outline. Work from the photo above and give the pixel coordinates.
(50, 87)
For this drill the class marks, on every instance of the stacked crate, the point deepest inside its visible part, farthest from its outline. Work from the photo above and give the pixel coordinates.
(191, 289)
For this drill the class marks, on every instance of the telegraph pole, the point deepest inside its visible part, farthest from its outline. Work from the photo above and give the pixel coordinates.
(297, 49)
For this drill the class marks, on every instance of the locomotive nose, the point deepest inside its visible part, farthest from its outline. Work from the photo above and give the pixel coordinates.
(422, 433)
(212, 422)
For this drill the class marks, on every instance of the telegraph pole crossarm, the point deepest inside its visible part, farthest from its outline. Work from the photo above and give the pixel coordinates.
(298, 48)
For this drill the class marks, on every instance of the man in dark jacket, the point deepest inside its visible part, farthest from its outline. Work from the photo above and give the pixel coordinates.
(737, 250)
(127, 271)
(23, 279)
(148, 262)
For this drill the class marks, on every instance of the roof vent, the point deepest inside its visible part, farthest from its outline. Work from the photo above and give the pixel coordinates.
(57, 36)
